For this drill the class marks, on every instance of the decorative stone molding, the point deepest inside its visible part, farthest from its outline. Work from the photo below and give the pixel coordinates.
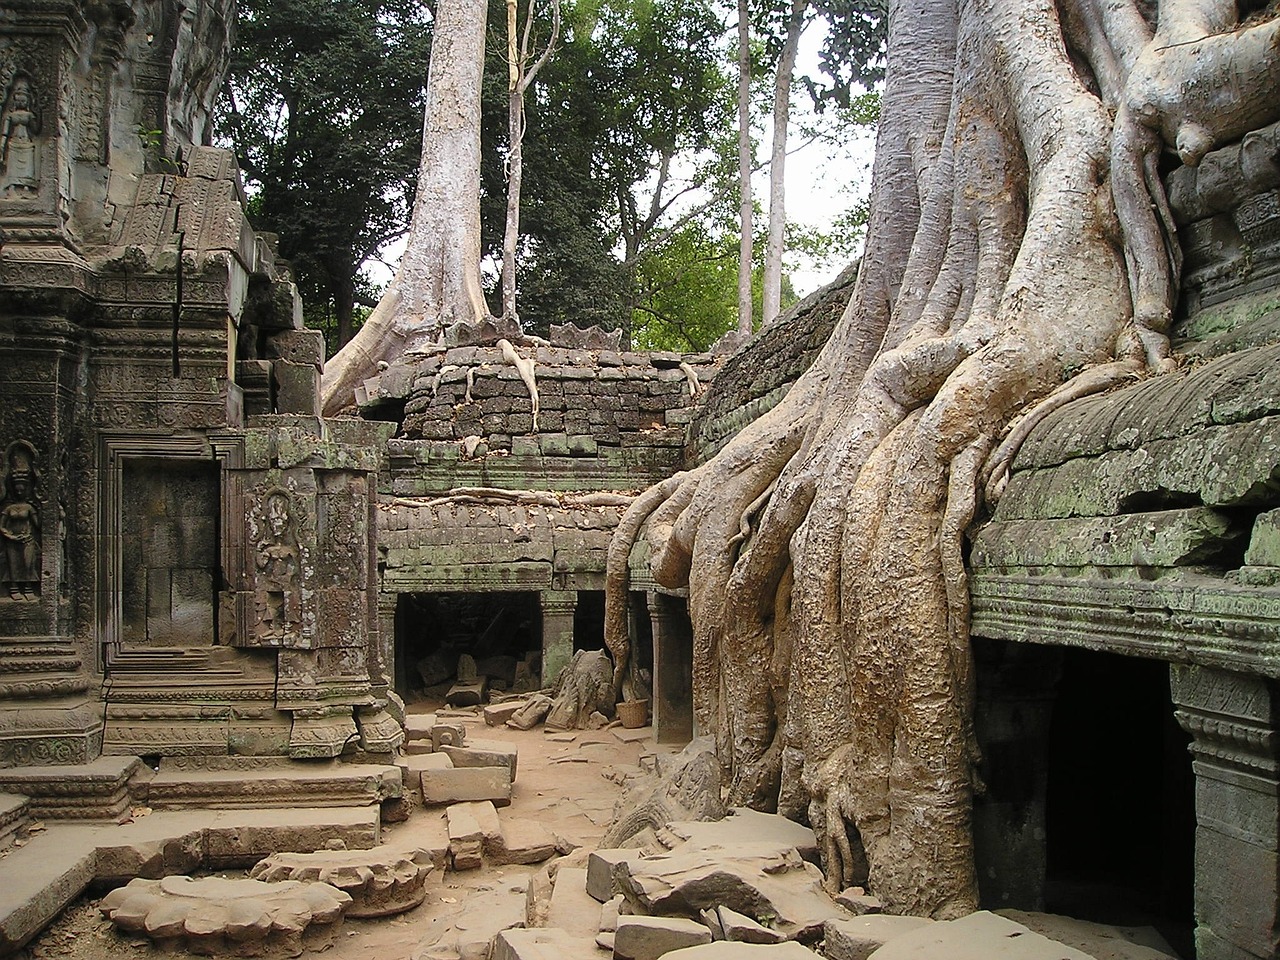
(593, 337)
(380, 882)
(214, 916)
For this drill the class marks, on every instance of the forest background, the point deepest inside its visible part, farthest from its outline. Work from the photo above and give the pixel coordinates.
(630, 199)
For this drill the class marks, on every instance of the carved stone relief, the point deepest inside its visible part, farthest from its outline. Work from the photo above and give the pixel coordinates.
(278, 599)
(19, 127)
(20, 523)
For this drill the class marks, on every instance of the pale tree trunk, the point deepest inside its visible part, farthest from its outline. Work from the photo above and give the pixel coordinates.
(771, 303)
(520, 75)
(438, 281)
(745, 252)
(823, 546)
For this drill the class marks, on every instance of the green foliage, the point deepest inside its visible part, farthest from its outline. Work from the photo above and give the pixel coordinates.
(324, 109)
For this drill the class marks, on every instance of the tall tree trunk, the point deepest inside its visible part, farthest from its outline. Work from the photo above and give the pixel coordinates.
(519, 76)
(745, 211)
(772, 298)
(823, 546)
(438, 281)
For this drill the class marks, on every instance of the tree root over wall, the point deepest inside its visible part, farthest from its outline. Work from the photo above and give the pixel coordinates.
(1017, 218)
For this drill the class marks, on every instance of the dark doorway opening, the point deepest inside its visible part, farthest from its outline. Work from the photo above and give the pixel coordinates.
(588, 621)
(1120, 809)
(501, 631)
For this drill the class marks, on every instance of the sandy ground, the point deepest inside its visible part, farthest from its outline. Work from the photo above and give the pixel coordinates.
(570, 785)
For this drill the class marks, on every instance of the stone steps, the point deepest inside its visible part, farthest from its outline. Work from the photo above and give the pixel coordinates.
(39, 879)
(100, 790)
(15, 818)
(314, 784)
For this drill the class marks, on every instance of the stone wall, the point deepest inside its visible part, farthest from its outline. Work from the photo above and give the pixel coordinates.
(758, 376)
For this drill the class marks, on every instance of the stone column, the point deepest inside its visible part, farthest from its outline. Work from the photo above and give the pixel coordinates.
(1236, 758)
(558, 607)
(672, 668)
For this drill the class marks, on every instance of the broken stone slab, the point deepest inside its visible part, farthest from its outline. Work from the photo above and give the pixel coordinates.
(1098, 940)
(40, 879)
(647, 938)
(496, 714)
(633, 735)
(415, 764)
(610, 913)
(744, 825)
(761, 881)
(418, 727)
(742, 929)
(524, 842)
(603, 881)
(381, 881)
(455, 785)
(542, 944)
(466, 836)
(215, 916)
(571, 909)
(483, 753)
(532, 713)
(858, 938)
(979, 936)
(724, 950)
(858, 902)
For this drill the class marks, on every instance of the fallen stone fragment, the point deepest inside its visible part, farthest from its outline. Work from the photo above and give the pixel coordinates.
(381, 881)
(483, 753)
(448, 734)
(496, 714)
(858, 938)
(744, 825)
(979, 936)
(724, 950)
(523, 841)
(609, 914)
(633, 735)
(571, 909)
(742, 929)
(418, 727)
(470, 693)
(466, 836)
(468, 783)
(533, 712)
(214, 916)
(647, 938)
(1098, 940)
(602, 866)
(761, 881)
(859, 904)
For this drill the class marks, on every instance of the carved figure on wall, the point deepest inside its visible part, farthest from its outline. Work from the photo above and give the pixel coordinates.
(278, 563)
(20, 522)
(19, 125)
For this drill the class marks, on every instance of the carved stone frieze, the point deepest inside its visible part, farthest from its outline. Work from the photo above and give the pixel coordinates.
(20, 527)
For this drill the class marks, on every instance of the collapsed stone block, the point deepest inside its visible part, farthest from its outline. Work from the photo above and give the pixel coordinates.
(571, 909)
(466, 836)
(647, 938)
(542, 944)
(467, 783)
(602, 883)
(496, 714)
(483, 753)
(742, 929)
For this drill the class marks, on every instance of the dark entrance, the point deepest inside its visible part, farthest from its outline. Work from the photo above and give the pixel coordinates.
(1120, 810)
(501, 631)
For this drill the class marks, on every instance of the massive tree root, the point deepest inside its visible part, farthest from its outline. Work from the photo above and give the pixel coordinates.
(1020, 255)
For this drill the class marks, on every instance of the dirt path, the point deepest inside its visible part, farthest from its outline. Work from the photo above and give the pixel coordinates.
(569, 782)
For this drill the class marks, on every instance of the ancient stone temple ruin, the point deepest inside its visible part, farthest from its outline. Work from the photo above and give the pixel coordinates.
(201, 576)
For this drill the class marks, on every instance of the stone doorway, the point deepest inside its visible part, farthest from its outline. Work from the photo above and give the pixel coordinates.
(1120, 804)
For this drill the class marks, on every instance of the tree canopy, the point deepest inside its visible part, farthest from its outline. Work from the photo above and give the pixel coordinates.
(324, 106)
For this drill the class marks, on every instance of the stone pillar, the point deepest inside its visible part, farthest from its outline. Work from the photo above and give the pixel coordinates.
(558, 607)
(1236, 758)
(672, 668)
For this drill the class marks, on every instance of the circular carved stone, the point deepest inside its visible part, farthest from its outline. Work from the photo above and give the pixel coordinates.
(214, 916)
(380, 881)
